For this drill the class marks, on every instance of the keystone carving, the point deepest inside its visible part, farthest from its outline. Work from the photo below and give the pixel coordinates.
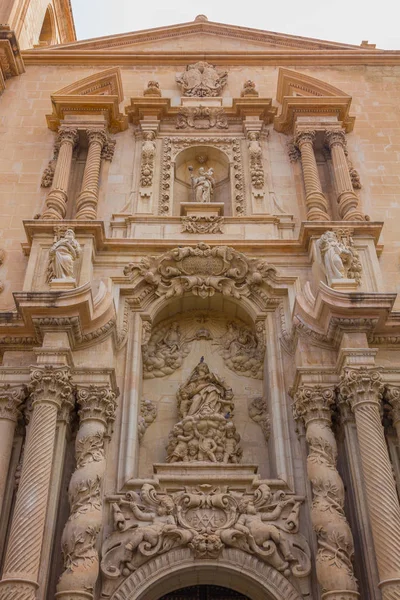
(242, 350)
(203, 271)
(258, 412)
(201, 117)
(340, 259)
(206, 431)
(62, 255)
(148, 412)
(202, 224)
(202, 80)
(206, 520)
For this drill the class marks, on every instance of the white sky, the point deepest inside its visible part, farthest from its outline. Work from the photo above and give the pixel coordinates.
(349, 21)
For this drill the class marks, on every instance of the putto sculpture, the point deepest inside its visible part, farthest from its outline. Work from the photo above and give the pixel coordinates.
(202, 79)
(203, 185)
(63, 253)
(206, 431)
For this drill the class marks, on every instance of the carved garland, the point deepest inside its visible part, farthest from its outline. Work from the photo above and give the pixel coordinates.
(231, 147)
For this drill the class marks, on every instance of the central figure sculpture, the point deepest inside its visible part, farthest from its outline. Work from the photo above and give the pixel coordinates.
(206, 431)
(202, 185)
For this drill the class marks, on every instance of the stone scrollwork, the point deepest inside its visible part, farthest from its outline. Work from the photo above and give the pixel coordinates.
(201, 117)
(62, 256)
(340, 259)
(243, 350)
(203, 271)
(201, 80)
(148, 413)
(206, 431)
(335, 554)
(206, 520)
(258, 412)
(202, 224)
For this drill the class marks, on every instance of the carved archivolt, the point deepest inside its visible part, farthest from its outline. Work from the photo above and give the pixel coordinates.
(230, 146)
(205, 520)
(203, 271)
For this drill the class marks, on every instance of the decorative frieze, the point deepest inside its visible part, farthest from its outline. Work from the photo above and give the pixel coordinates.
(202, 224)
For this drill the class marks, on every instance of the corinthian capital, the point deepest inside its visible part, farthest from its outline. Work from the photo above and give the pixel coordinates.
(97, 402)
(67, 135)
(393, 397)
(361, 386)
(305, 137)
(313, 403)
(96, 135)
(335, 138)
(51, 384)
(11, 398)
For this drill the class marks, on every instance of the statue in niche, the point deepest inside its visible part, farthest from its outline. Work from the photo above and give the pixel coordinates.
(206, 431)
(335, 255)
(63, 253)
(201, 80)
(202, 185)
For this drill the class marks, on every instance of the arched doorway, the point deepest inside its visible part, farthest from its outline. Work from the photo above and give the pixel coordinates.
(204, 592)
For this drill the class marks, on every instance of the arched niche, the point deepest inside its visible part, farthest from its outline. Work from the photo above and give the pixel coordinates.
(47, 36)
(207, 157)
(233, 569)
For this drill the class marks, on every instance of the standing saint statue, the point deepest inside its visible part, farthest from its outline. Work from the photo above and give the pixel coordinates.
(62, 256)
(202, 185)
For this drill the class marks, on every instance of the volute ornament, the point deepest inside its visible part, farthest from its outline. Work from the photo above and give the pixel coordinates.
(201, 80)
(202, 270)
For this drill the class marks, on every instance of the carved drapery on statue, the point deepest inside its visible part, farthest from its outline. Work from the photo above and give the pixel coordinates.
(340, 258)
(202, 80)
(202, 185)
(62, 255)
(205, 519)
(206, 431)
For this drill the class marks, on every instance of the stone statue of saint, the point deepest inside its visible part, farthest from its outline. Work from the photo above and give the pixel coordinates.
(62, 256)
(335, 256)
(203, 185)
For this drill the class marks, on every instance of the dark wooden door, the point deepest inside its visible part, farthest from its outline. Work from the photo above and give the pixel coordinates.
(204, 592)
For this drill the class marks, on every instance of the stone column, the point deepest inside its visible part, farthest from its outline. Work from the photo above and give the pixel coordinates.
(79, 540)
(334, 558)
(87, 200)
(347, 199)
(10, 400)
(56, 201)
(393, 395)
(362, 388)
(51, 388)
(317, 206)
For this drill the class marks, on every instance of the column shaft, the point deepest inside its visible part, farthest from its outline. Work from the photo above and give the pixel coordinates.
(50, 389)
(10, 399)
(56, 201)
(89, 195)
(363, 389)
(335, 541)
(347, 199)
(79, 540)
(317, 207)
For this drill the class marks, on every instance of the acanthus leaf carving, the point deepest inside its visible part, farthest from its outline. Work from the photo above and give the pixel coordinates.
(202, 224)
(11, 399)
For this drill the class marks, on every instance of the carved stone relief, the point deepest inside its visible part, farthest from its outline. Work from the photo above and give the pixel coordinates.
(256, 165)
(206, 431)
(249, 90)
(230, 146)
(243, 350)
(202, 224)
(258, 411)
(153, 89)
(201, 117)
(201, 80)
(148, 412)
(62, 255)
(206, 520)
(148, 156)
(340, 258)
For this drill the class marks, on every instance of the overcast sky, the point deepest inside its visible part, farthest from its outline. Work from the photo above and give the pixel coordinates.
(349, 21)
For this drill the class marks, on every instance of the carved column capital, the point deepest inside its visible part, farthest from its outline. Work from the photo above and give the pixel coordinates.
(67, 135)
(361, 385)
(52, 385)
(304, 137)
(335, 137)
(313, 403)
(97, 403)
(107, 152)
(11, 398)
(98, 136)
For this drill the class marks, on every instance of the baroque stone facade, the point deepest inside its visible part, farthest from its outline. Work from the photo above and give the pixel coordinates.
(199, 331)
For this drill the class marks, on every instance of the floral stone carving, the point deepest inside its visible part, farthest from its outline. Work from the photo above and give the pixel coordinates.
(206, 520)
(201, 117)
(340, 259)
(243, 351)
(202, 224)
(206, 431)
(201, 79)
(63, 253)
(202, 270)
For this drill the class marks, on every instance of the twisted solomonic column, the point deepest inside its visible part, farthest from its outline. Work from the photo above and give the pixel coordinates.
(347, 199)
(79, 540)
(56, 201)
(51, 388)
(312, 405)
(317, 206)
(87, 200)
(362, 388)
(393, 396)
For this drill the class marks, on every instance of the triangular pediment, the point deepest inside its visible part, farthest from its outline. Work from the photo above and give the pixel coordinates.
(201, 35)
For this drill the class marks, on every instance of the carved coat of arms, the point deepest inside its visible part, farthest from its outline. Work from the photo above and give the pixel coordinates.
(202, 79)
